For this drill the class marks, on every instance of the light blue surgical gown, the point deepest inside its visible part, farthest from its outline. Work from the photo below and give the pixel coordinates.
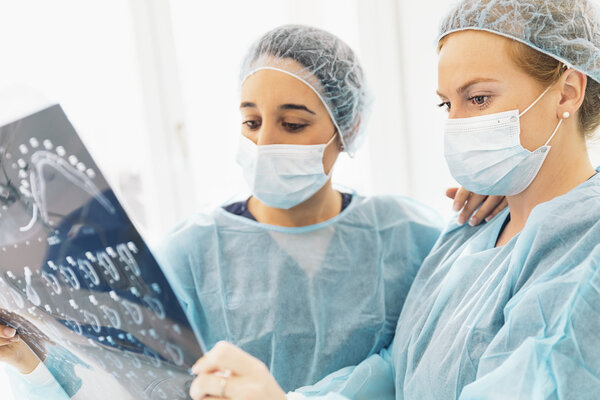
(520, 321)
(306, 301)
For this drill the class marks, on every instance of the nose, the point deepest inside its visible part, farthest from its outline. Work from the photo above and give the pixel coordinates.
(267, 134)
(457, 113)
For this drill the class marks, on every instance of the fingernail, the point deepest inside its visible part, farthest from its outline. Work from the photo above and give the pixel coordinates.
(9, 332)
(473, 221)
(487, 219)
(456, 207)
(14, 339)
(461, 220)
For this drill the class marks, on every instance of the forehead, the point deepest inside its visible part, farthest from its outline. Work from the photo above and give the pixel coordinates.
(473, 54)
(269, 85)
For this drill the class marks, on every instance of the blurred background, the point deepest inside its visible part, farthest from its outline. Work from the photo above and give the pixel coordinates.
(152, 87)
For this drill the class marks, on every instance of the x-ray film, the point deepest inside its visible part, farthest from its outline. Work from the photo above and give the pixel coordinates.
(77, 280)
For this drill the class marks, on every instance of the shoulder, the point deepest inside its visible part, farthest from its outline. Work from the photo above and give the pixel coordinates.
(389, 211)
(578, 210)
(186, 237)
(564, 228)
(191, 228)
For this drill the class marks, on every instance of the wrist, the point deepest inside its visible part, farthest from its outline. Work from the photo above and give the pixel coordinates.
(26, 360)
(27, 367)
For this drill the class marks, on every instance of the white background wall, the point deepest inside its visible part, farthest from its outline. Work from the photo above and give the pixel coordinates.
(152, 87)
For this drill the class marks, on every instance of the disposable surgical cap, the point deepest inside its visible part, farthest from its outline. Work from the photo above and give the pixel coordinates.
(567, 30)
(327, 65)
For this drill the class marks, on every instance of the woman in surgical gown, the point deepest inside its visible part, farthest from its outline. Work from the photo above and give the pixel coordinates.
(509, 309)
(304, 277)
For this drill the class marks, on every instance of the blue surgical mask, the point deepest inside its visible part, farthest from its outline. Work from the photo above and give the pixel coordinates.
(283, 175)
(485, 155)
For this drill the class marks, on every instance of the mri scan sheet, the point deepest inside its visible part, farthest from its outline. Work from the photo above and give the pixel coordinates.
(77, 280)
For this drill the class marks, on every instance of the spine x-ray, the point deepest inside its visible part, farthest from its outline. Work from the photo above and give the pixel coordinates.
(77, 280)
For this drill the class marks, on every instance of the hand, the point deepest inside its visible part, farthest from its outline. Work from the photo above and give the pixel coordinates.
(468, 203)
(15, 352)
(227, 372)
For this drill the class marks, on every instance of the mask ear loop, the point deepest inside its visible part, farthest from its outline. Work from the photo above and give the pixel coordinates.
(535, 101)
(335, 134)
(340, 148)
(555, 130)
(566, 115)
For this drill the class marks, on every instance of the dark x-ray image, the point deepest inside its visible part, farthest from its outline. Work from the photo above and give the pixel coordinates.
(77, 280)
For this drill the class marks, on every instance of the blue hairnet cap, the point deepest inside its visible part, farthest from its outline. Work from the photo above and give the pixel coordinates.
(327, 65)
(567, 30)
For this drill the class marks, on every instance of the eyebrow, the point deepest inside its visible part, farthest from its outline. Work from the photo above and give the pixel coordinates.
(295, 107)
(467, 85)
(301, 107)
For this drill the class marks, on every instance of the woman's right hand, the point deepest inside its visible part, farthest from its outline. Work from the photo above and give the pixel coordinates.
(227, 372)
(475, 208)
(15, 352)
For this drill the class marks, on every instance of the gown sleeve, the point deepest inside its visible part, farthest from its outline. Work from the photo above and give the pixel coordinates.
(371, 379)
(55, 378)
(38, 385)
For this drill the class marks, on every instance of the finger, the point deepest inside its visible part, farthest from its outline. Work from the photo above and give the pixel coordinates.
(499, 208)
(461, 198)
(488, 206)
(7, 341)
(225, 356)
(474, 201)
(7, 332)
(215, 386)
(451, 192)
(206, 385)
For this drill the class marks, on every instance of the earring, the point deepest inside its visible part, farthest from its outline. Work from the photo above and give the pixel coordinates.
(566, 115)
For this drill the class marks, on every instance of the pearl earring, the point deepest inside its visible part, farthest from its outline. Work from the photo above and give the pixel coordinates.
(566, 115)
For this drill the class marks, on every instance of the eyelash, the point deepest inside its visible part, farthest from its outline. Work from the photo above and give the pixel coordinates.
(247, 124)
(471, 99)
(291, 127)
(445, 104)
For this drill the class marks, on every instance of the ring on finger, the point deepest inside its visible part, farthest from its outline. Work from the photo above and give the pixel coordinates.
(224, 381)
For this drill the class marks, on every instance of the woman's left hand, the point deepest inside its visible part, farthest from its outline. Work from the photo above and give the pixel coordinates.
(227, 372)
